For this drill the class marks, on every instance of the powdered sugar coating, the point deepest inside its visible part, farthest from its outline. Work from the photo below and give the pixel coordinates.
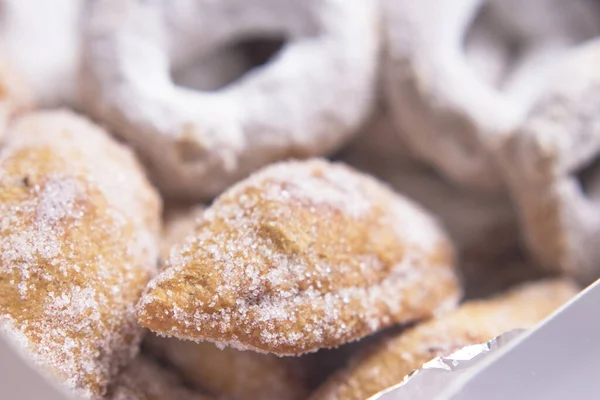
(305, 101)
(302, 256)
(389, 361)
(78, 230)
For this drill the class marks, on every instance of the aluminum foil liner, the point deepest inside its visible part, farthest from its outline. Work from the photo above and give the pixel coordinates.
(437, 376)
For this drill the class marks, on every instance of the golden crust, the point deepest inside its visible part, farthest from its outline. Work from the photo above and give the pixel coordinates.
(144, 379)
(388, 362)
(78, 230)
(225, 373)
(302, 256)
(231, 373)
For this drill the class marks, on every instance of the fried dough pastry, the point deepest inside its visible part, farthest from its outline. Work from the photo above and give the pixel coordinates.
(79, 224)
(200, 142)
(144, 379)
(302, 256)
(230, 373)
(388, 362)
(551, 167)
(458, 90)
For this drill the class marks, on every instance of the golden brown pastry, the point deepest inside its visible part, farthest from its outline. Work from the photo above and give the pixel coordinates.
(388, 362)
(230, 373)
(302, 256)
(79, 224)
(145, 379)
(227, 373)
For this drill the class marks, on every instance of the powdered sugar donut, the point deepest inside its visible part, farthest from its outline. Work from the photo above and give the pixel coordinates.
(306, 101)
(551, 166)
(462, 74)
(43, 40)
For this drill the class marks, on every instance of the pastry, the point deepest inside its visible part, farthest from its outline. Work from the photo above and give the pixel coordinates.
(550, 165)
(305, 101)
(302, 256)
(388, 362)
(225, 373)
(79, 225)
(460, 75)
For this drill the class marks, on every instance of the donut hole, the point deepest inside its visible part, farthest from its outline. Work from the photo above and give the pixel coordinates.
(228, 64)
(588, 177)
(511, 43)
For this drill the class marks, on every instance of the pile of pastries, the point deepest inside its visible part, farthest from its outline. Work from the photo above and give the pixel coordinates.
(289, 199)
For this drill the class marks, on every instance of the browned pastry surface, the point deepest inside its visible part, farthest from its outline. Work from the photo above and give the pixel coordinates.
(78, 230)
(388, 362)
(302, 256)
(227, 373)
(144, 379)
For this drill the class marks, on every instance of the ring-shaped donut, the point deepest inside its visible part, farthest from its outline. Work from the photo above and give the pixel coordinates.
(449, 114)
(551, 167)
(306, 101)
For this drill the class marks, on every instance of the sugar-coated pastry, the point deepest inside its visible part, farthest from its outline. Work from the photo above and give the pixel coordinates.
(79, 225)
(305, 101)
(551, 167)
(456, 87)
(302, 256)
(388, 362)
(227, 372)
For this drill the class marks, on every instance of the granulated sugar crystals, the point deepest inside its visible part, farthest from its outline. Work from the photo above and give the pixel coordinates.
(302, 256)
(78, 230)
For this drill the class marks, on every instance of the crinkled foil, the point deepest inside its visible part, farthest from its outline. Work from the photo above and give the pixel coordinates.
(435, 377)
